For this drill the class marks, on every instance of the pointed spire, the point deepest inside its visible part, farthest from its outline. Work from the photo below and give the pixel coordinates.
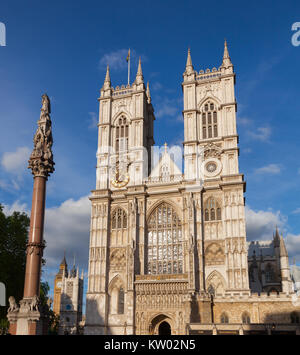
(148, 94)
(107, 76)
(139, 75)
(226, 57)
(189, 66)
(283, 251)
(64, 262)
(166, 147)
(107, 82)
(276, 238)
(63, 268)
(139, 72)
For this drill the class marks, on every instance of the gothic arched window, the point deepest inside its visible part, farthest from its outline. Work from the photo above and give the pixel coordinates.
(209, 121)
(119, 219)
(116, 301)
(121, 301)
(245, 318)
(224, 318)
(165, 245)
(212, 210)
(121, 135)
(270, 276)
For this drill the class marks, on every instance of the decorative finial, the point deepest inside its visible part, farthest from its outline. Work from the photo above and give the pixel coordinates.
(166, 147)
(139, 75)
(189, 66)
(41, 159)
(226, 57)
(107, 82)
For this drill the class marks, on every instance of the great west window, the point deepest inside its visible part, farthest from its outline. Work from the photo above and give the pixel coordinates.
(165, 246)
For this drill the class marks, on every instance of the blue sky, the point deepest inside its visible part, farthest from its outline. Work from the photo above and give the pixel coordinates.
(62, 48)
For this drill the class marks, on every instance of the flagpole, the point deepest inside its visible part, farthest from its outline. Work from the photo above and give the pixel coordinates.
(129, 68)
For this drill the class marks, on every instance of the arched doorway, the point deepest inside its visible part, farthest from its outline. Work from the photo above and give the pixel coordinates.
(161, 324)
(164, 329)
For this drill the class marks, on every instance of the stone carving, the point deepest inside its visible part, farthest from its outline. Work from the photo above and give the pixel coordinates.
(214, 254)
(25, 305)
(117, 259)
(13, 307)
(41, 159)
(211, 150)
(216, 282)
(34, 304)
(155, 295)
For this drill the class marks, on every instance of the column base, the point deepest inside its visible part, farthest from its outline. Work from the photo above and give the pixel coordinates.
(28, 319)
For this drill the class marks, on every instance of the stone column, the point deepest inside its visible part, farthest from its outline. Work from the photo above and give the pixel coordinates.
(31, 318)
(35, 245)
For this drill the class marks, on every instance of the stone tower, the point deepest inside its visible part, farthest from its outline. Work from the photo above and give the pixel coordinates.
(125, 138)
(71, 302)
(211, 155)
(63, 270)
(163, 243)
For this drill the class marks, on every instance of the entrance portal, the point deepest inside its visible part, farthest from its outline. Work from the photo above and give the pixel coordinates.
(164, 329)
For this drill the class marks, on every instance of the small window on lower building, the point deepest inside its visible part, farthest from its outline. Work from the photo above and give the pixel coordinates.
(224, 318)
(246, 318)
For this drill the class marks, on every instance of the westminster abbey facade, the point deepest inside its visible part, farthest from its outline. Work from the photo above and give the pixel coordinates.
(168, 251)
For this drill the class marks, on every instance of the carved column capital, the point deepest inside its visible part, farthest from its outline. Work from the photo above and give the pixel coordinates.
(41, 159)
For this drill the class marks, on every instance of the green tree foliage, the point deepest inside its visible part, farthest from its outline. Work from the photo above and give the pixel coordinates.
(45, 304)
(13, 240)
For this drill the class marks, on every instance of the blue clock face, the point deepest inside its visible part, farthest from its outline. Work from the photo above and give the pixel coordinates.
(68, 307)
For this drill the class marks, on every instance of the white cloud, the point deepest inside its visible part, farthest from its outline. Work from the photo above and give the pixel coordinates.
(156, 86)
(93, 121)
(16, 162)
(292, 243)
(168, 108)
(247, 150)
(67, 227)
(16, 206)
(296, 211)
(260, 225)
(116, 59)
(269, 169)
(243, 121)
(261, 134)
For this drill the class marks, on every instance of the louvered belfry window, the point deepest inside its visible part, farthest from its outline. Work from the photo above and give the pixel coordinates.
(121, 135)
(209, 121)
